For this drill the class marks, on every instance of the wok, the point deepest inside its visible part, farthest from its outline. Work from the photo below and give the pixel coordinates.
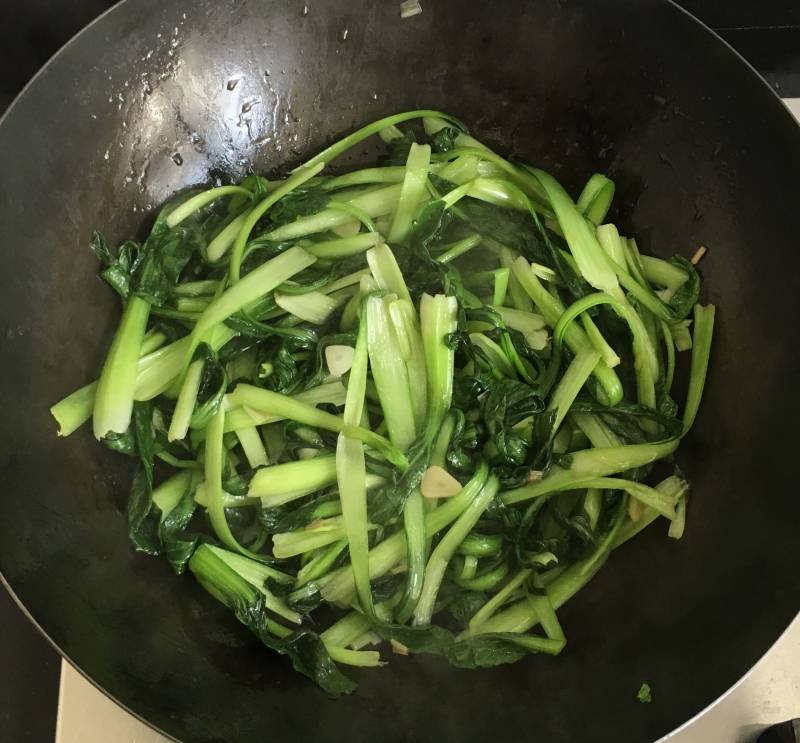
(158, 95)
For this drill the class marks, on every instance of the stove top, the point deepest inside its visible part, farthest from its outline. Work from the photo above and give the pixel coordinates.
(766, 33)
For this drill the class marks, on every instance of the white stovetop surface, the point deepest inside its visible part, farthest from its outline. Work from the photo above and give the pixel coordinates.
(769, 694)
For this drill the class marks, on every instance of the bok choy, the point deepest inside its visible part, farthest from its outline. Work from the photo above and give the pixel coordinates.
(435, 394)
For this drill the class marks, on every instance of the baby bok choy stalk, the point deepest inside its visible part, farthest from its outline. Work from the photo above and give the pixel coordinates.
(446, 548)
(438, 320)
(351, 472)
(114, 395)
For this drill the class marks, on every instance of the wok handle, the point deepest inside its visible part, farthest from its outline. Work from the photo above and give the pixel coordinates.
(785, 732)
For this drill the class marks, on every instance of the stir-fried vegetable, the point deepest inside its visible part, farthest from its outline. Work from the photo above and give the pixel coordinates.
(435, 393)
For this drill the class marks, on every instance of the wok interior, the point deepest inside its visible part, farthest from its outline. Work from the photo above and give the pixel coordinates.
(158, 96)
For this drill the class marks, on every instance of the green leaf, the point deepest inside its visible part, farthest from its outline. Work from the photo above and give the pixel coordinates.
(162, 258)
(301, 202)
(142, 530)
(145, 437)
(398, 150)
(117, 269)
(479, 651)
(123, 443)
(464, 605)
(445, 139)
(303, 647)
(629, 420)
(213, 385)
(685, 298)
(463, 452)
(388, 502)
(308, 655)
(287, 518)
(177, 546)
(508, 227)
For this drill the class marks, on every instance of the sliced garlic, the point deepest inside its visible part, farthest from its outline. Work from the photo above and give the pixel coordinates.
(437, 482)
(339, 359)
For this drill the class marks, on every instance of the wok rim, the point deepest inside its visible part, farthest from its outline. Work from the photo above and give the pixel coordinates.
(713, 37)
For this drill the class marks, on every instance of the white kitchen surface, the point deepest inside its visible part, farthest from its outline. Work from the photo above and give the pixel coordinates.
(769, 694)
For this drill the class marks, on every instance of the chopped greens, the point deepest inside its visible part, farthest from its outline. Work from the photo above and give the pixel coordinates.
(434, 394)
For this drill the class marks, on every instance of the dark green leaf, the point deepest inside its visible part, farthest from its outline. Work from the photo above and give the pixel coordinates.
(236, 483)
(301, 337)
(514, 229)
(484, 651)
(162, 258)
(301, 202)
(178, 546)
(479, 651)
(305, 599)
(123, 443)
(466, 443)
(213, 384)
(303, 647)
(142, 528)
(464, 605)
(309, 657)
(557, 249)
(388, 502)
(542, 441)
(445, 139)
(684, 300)
(144, 436)
(288, 518)
(117, 270)
(100, 248)
(626, 419)
(259, 250)
(386, 587)
(399, 149)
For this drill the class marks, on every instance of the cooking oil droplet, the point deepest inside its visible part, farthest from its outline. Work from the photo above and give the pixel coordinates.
(233, 83)
(177, 159)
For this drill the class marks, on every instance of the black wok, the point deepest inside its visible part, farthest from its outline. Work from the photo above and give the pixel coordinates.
(158, 95)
